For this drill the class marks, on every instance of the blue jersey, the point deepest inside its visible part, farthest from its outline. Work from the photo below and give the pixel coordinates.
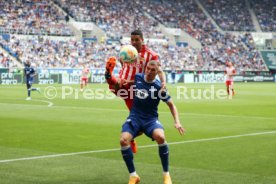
(147, 97)
(29, 72)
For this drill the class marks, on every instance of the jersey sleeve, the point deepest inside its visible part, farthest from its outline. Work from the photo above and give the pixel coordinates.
(137, 77)
(164, 96)
(155, 57)
(32, 71)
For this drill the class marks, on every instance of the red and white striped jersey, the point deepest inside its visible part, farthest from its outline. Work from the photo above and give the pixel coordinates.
(230, 71)
(85, 73)
(129, 70)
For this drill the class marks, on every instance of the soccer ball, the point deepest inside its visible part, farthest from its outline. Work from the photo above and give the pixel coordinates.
(128, 53)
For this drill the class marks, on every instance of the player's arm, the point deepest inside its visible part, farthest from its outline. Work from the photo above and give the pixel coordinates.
(121, 61)
(175, 115)
(160, 73)
(162, 77)
(128, 82)
(34, 73)
(234, 72)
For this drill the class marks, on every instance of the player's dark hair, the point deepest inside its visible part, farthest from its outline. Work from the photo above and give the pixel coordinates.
(137, 32)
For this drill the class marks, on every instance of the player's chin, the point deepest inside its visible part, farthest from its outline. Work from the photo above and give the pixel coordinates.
(150, 77)
(136, 46)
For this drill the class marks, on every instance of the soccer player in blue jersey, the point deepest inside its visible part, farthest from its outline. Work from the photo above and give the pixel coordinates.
(29, 73)
(143, 117)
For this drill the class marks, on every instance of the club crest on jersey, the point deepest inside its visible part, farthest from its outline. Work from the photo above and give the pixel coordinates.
(141, 94)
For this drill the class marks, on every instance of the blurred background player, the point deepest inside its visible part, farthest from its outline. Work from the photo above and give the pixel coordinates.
(29, 73)
(143, 117)
(128, 71)
(84, 77)
(173, 74)
(230, 72)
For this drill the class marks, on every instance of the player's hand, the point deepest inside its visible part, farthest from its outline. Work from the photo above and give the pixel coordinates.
(126, 82)
(179, 127)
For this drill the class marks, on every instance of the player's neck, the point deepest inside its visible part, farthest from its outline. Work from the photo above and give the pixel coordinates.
(148, 81)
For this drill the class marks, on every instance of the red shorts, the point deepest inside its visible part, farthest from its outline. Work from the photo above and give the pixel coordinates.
(229, 83)
(123, 92)
(84, 79)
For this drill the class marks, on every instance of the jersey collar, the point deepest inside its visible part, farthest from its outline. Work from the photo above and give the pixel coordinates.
(148, 81)
(143, 48)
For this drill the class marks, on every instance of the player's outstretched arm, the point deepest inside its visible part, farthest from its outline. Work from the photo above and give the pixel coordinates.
(175, 115)
(121, 61)
(162, 78)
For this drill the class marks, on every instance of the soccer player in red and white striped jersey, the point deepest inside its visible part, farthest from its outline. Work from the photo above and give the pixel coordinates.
(230, 71)
(145, 55)
(84, 77)
(128, 71)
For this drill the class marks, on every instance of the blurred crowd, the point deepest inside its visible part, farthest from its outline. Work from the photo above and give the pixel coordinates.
(230, 15)
(36, 17)
(54, 53)
(116, 17)
(266, 14)
(5, 60)
(73, 54)
(119, 17)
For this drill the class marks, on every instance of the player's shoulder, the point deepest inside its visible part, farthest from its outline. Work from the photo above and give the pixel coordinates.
(147, 49)
(139, 76)
(157, 84)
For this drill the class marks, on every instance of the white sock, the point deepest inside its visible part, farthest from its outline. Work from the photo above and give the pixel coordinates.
(133, 174)
(166, 173)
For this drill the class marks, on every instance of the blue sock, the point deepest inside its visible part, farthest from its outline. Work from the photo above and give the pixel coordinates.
(29, 92)
(128, 158)
(164, 156)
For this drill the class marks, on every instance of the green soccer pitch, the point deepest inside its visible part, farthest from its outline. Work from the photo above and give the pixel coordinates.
(76, 140)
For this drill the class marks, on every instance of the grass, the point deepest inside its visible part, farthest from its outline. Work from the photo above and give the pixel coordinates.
(75, 124)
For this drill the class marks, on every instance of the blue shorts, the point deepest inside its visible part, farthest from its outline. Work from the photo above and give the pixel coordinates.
(134, 125)
(30, 81)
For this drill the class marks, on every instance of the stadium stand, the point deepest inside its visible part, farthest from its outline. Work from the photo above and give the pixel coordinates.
(37, 17)
(230, 15)
(54, 53)
(6, 60)
(118, 18)
(266, 14)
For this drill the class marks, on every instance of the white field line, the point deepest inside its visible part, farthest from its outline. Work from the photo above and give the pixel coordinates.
(146, 146)
(50, 104)
(164, 112)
